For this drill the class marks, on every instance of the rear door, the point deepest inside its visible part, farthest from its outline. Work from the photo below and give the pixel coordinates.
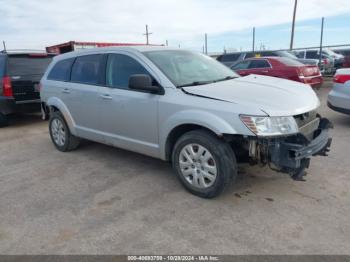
(25, 71)
(81, 94)
(260, 67)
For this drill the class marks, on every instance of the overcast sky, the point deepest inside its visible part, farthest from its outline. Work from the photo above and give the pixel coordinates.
(39, 23)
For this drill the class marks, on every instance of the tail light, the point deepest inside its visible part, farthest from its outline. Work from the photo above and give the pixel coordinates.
(341, 79)
(7, 86)
(300, 72)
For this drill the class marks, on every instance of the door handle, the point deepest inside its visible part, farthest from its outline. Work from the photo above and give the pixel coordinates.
(265, 71)
(106, 97)
(66, 91)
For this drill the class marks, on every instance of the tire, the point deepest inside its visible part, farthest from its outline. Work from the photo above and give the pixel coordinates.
(3, 120)
(60, 135)
(204, 175)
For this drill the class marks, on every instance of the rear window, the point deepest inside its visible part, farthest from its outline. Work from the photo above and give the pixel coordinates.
(289, 62)
(61, 70)
(259, 64)
(26, 65)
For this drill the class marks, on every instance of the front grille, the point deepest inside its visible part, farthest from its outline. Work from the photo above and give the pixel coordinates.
(307, 123)
(305, 118)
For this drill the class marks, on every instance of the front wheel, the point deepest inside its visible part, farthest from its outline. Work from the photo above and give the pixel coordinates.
(60, 135)
(203, 163)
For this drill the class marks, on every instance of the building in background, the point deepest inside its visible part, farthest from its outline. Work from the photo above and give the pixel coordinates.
(73, 45)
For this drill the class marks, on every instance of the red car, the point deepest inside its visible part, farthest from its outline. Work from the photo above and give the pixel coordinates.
(281, 67)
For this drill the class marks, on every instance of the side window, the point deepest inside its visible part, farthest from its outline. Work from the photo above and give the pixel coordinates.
(299, 54)
(120, 68)
(61, 70)
(267, 53)
(86, 69)
(230, 57)
(241, 66)
(259, 64)
(312, 54)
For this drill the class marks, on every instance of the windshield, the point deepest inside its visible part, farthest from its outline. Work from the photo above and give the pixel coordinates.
(185, 68)
(288, 54)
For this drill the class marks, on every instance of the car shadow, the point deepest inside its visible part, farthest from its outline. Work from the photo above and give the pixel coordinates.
(22, 120)
(248, 179)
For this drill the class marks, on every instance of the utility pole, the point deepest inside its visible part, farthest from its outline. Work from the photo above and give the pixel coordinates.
(321, 41)
(293, 25)
(253, 40)
(147, 35)
(206, 43)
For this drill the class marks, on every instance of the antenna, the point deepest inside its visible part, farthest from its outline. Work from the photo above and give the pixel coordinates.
(4, 44)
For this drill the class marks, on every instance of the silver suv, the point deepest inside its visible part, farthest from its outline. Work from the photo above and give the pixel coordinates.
(185, 108)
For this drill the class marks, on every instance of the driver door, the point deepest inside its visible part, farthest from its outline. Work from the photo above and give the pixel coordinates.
(128, 118)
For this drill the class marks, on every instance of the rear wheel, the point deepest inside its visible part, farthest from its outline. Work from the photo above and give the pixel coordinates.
(60, 135)
(203, 163)
(3, 120)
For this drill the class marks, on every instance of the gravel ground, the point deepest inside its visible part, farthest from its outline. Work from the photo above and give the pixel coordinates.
(102, 200)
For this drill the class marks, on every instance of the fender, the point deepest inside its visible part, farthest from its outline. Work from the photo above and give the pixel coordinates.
(192, 117)
(56, 102)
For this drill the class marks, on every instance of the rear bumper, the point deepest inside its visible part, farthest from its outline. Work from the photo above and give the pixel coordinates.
(338, 109)
(292, 153)
(8, 105)
(314, 81)
(339, 99)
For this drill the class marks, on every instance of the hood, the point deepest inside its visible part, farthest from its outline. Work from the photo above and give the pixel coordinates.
(274, 96)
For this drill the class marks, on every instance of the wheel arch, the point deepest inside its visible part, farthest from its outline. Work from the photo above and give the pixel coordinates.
(56, 104)
(178, 125)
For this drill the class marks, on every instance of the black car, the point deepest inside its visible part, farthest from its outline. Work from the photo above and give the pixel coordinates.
(20, 73)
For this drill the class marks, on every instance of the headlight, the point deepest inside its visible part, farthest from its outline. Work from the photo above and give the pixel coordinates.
(270, 126)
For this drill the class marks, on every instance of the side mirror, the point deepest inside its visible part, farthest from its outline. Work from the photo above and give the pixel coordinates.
(143, 82)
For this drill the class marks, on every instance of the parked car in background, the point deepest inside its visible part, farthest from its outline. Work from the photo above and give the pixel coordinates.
(231, 58)
(20, 73)
(339, 97)
(281, 67)
(346, 53)
(331, 60)
(185, 108)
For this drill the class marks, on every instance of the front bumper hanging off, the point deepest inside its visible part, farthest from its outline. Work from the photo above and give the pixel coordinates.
(292, 154)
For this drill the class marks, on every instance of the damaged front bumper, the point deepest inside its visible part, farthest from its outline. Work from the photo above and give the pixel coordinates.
(292, 154)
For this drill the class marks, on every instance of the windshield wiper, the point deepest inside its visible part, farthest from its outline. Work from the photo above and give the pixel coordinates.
(196, 83)
(226, 78)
